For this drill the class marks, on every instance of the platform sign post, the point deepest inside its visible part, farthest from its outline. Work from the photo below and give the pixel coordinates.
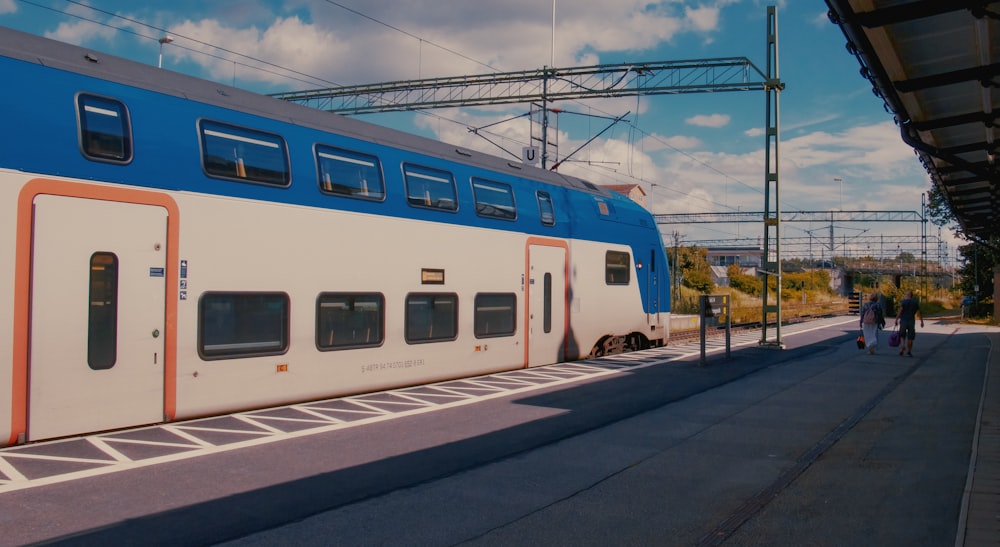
(716, 305)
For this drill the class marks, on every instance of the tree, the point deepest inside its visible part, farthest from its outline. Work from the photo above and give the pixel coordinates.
(938, 209)
(977, 269)
(815, 280)
(693, 264)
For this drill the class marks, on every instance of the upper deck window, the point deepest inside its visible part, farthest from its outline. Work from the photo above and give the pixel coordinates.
(245, 155)
(494, 199)
(351, 174)
(433, 188)
(546, 211)
(105, 130)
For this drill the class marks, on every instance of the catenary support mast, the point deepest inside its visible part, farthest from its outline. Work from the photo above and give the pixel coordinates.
(772, 196)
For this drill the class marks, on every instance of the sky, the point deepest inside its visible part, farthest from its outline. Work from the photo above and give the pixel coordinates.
(694, 153)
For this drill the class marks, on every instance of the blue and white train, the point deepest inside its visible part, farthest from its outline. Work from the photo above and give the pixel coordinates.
(171, 248)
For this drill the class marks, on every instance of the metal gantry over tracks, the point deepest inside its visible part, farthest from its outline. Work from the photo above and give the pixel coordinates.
(540, 85)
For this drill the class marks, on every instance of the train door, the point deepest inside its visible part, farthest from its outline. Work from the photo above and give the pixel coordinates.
(652, 283)
(546, 303)
(97, 312)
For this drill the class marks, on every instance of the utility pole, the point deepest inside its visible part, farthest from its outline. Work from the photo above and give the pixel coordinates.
(674, 281)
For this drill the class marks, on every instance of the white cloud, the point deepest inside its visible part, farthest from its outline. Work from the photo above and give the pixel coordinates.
(655, 143)
(821, 20)
(877, 150)
(7, 6)
(81, 31)
(821, 120)
(709, 120)
(415, 39)
(287, 43)
(703, 18)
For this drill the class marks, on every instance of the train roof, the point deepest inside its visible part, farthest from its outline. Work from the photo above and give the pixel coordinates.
(62, 56)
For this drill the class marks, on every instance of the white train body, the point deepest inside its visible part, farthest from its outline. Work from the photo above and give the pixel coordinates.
(149, 278)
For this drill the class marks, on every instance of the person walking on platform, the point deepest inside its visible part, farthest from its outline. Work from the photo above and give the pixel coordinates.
(872, 319)
(906, 318)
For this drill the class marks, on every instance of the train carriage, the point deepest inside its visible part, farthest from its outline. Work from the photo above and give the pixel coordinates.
(175, 248)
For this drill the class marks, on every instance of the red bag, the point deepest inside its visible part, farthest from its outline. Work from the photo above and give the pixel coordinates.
(861, 341)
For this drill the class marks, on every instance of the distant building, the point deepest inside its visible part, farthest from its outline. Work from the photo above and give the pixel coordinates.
(720, 258)
(748, 257)
(631, 191)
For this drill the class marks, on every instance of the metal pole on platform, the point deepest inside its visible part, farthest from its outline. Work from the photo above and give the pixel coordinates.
(729, 325)
(702, 315)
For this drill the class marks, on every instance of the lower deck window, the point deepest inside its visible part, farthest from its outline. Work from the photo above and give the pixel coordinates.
(495, 315)
(616, 268)
(349, 320)
(431, 317)
(235, 325)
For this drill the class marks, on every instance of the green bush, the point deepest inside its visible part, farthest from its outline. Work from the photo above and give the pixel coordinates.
(748, 284)
(699, 281)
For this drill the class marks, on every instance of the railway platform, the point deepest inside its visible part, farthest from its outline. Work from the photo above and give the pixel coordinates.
(817, 444)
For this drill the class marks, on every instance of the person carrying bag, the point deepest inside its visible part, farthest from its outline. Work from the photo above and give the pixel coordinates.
(872, 319)
(909, 310)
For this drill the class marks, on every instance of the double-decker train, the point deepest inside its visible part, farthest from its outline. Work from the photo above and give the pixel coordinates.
(171, 248)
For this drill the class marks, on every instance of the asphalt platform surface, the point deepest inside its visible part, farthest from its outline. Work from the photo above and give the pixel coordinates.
(814, 444)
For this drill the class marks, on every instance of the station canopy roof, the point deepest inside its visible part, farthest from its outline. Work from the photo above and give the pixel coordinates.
(936, 63)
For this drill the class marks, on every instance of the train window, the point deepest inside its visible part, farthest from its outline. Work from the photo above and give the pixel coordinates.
(545, 209)
(351, 174)
(349, 320)
(494, 199)
(547, 303)
(495, 315)
(105, 130)
(432, 188)
(232, 325)
(244, 155)
(102, 324)
(616, 270)
(431, 318)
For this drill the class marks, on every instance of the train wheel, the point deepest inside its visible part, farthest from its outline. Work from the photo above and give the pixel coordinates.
(599, 350)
